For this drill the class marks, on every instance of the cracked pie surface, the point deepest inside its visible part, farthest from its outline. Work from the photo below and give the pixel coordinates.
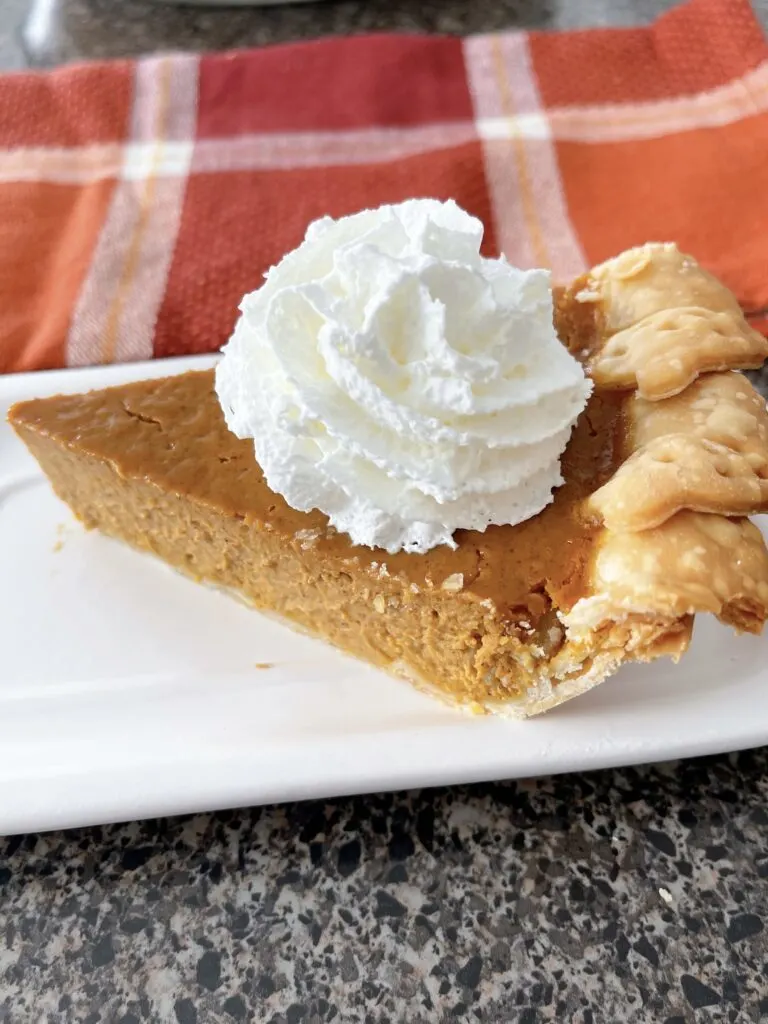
(663, 469)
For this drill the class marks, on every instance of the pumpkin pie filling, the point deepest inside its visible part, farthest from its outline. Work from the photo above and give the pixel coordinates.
(516, 618)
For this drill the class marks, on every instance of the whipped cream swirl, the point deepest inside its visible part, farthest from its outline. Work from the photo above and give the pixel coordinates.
(401, 383)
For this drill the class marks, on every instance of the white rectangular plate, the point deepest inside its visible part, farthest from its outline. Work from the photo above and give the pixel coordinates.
(128, 691)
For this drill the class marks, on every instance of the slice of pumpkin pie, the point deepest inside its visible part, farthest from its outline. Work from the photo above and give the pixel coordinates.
(408, 482)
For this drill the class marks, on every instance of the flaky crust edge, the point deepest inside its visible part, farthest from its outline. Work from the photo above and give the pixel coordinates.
(647, 583)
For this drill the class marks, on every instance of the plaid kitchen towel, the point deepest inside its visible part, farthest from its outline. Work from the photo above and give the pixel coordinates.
(140, 200)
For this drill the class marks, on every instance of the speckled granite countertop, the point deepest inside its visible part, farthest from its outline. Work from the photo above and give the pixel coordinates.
(622, 897)
(64, 30)
(610, 898)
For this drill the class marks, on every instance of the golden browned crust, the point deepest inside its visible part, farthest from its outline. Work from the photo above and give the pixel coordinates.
(705, 449)
(721, 407)
(679, 472)
(693, 462)
(694, 562)
(661, 321)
